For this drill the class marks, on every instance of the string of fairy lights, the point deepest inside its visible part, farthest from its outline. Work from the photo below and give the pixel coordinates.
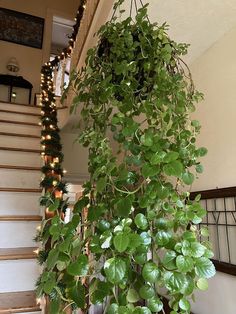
(51, 148)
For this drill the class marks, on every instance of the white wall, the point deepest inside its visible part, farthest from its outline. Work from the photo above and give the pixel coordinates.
(214, 74)
(75, 159)
(31, 59)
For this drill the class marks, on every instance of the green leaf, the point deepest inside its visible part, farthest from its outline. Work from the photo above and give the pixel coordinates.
(184, 304)
(197, 249)
(169, 260)
(100, 290)
(106, 239)
(157, 158)
(121, 242)
(54, 306)
(202, 151)
(149, 171)
(150, 272)
(163, 238)
(199, 168)
(124, 207)
(202, 284)
(188, 178)
(141, 221)
(204, 268)
(80, 267)
(115, 269)
(81, 204)
(101, 184)
(132, 296)
(174, 168)
(175, 281)
(171, 156)
(204, 232)
(113, 309)
(155, 305)
(184, 263)
(141, 310)
(52, 258)
(53, 207)
(77, 294)
(147, 139)
(146, 292)
(134, 240)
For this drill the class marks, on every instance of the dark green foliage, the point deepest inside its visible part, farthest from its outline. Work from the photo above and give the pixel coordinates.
(136, 96)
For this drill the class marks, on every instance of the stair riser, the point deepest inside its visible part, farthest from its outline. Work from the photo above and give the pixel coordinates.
(19, 108)
(12, 203)
(30, 312)
(18, 275)
(20, 159)
(17, 234)
(22, 142)
(19, 128)
(19, 117)
(19, 178)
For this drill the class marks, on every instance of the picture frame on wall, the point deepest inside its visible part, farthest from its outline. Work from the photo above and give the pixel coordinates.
(21, 28)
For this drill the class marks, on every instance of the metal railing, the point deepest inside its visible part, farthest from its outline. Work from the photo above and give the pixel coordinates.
(220, 205)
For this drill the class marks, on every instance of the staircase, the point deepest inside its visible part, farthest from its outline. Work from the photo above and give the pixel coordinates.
(19, 208)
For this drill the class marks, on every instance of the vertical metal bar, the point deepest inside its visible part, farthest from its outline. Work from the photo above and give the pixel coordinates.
(131, 8)
(136, 7)
(227, 231)
(217, 230)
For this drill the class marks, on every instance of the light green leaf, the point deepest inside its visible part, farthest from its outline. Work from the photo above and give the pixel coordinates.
(188, 178)
(150, 272)
(204, 268)
(174, 168)
(121, 242)
(184, 304)
(155, 305)
(184, 263)
(141, 221)
(202, 284)
(115, 269)
(132, 296)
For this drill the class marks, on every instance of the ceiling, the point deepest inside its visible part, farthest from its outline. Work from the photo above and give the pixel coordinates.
(197, 22)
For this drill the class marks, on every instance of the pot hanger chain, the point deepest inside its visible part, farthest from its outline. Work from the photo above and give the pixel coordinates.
(132, 3)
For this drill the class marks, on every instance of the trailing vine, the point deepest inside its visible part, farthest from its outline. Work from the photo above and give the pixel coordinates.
(139, 238)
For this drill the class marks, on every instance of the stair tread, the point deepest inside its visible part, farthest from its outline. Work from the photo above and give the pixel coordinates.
(18, 149)
(20, 190)
(19, 122)
(20, 218)
(20, 112)
(19, 135)
(17, 253)
(19, 167)
(18, 302)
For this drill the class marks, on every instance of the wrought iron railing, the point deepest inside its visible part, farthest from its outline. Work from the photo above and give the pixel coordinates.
(220, 205)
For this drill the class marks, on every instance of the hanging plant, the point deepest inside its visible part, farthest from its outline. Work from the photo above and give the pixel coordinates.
(139, 239)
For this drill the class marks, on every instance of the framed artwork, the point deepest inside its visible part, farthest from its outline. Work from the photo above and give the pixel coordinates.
(21, 28)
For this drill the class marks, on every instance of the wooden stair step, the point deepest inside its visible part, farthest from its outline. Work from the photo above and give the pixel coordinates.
(21, 218)
(19, 135)
(18, 302)
(19, 122)
(19, 112)
(17, 253)
(19, 168)
(25, 105)
(24, 150)
(17, 190)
